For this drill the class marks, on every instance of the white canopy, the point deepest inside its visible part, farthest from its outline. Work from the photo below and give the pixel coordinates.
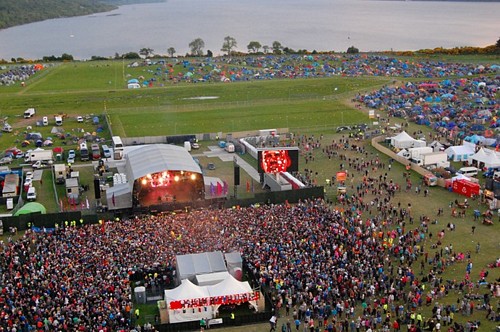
(186, 291)
(460, 152)
(485, 158)
(229, 285)
(402, 140)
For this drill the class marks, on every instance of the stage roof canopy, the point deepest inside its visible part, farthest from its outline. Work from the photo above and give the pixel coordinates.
(191, 265)
(154, 158)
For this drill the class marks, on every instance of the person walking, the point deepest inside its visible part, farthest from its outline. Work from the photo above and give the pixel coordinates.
(273, 321)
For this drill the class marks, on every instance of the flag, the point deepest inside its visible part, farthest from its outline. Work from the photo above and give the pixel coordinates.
(113, 199)
(212, 189)
(88, 205)
(248, 186)
(219, 188)
(226, 187)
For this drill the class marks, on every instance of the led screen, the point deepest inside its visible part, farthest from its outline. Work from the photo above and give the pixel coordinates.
(278, 160)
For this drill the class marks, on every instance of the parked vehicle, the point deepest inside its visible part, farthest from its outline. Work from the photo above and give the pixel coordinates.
(31, 195)
(96, 151)
(45, 121)
(106, 152)
(5, 160)
(468, 171)
(39, 164)
(79, 119)
(39, 154)
(7, 127)
(29, 113)
(229, 147)
(59, 120)
(71, 156)
(84, 152)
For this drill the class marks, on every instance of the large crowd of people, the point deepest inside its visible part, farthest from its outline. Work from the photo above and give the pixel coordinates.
(321, 262)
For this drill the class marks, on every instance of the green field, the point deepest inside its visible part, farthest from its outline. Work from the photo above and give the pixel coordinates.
(99, 88)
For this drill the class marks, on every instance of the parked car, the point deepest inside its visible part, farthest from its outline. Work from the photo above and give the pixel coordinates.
(211, 166)
(195, 145)
(79, 118)
(343, 128)
(5, 160)
(71, 156)
(31, 195)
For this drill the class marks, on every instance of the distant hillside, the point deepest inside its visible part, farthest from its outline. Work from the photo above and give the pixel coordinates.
(18, 12)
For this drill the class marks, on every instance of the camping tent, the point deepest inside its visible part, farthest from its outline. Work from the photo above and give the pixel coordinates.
(32, 207)
(402, 141)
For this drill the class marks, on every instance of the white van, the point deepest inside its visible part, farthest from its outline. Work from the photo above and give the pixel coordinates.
(7, 128)
(106, 152)
(31, 195)
(45, 121)
(59, 120)
(468, 171)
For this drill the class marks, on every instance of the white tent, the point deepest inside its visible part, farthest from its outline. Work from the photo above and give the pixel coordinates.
(484, 158)
(183, 295)
(460, 152)
(436, 146)
(210, 278)
(402, 141)
(189, 302)
(186, 291)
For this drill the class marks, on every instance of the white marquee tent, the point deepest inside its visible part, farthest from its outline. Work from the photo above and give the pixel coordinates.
(485, 158)
(189, 302)
(461, 152)
(405, 141)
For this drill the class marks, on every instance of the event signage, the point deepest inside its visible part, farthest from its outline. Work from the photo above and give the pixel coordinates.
(214, 300)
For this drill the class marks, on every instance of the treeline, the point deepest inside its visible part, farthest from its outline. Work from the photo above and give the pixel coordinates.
(466, 50)
(20, 12)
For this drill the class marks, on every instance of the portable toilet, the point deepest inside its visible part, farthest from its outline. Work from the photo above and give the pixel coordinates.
(187, 146)
(140, 294)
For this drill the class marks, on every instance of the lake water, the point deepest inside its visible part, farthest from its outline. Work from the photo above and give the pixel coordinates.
(369, 25)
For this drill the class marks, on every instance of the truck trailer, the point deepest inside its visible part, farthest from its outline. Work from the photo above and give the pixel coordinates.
(40, 155)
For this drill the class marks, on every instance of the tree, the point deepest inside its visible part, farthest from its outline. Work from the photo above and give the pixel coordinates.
(131, 55)
(277, 47)
(197, 46)
(171, 51)
(228, 44)
(66, 57)
(352, 50)
(266, 49)
(210, 54)
(146, 51)
(254, 46)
